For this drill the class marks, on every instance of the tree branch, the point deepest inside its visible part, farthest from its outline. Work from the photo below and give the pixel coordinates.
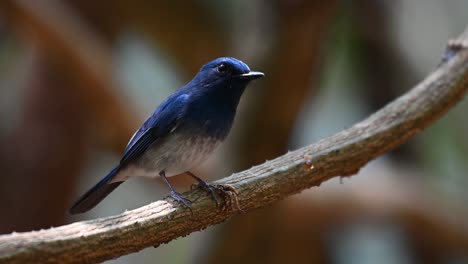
(342, 154)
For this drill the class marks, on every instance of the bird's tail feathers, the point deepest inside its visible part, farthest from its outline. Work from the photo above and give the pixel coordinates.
(96, 194)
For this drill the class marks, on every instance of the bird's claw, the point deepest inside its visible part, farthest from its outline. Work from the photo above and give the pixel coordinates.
(211, 189)
(230, 196)
(227, 192)
(181, 199)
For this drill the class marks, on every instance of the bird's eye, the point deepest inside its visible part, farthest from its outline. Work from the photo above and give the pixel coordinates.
(222, 68)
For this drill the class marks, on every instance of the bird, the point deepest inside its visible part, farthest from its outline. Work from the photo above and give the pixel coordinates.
(181, 133)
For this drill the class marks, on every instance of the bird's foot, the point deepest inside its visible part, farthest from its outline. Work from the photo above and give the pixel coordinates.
(186, 202)
(229, 194)
(213, 190)
(226, 191)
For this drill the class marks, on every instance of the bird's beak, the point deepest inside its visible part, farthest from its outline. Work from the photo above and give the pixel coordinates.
(252, 75)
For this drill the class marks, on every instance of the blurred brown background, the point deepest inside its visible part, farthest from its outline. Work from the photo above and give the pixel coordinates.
(78, 77)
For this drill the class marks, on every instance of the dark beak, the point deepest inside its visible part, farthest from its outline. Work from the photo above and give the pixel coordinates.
(252, 75)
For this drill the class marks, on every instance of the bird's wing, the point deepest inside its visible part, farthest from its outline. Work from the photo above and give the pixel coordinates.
(163, 121)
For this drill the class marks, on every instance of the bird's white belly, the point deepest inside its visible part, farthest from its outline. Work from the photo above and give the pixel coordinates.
(174, 156)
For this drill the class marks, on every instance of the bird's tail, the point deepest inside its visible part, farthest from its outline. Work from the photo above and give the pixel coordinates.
(96, 194)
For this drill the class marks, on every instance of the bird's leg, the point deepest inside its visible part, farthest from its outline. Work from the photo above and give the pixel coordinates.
(175, 194)
(212, 189)
(208, 187)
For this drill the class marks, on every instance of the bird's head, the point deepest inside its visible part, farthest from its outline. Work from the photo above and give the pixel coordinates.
(226, 73)
(226, 68)
(221, 83)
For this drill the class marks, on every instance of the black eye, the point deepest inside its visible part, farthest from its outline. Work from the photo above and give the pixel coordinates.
(222, 68)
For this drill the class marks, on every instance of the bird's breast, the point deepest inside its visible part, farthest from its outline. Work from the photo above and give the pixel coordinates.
(212, 118)
(175, 154)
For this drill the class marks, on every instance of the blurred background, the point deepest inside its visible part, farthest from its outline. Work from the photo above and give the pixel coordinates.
(78, 77)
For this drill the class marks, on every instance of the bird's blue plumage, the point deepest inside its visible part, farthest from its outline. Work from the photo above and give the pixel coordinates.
(182, 131)
(164, 119)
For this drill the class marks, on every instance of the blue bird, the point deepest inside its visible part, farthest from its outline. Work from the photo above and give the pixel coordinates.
(182, 132)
